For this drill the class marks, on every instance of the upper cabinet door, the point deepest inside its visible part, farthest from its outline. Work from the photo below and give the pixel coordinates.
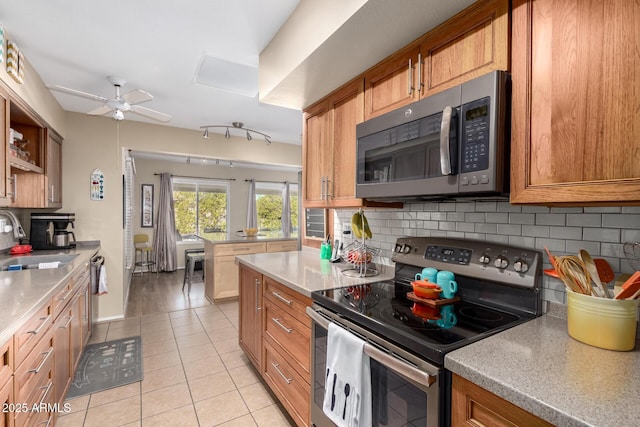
(392, 83)
(4, 143)
(576, 102)
(54, 169)
(316, 155)
(473, 43)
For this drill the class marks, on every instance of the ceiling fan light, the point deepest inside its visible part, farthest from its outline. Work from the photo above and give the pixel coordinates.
(118, 115)
(227, 134)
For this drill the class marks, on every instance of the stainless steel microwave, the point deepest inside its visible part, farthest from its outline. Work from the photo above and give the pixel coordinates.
(453, 143)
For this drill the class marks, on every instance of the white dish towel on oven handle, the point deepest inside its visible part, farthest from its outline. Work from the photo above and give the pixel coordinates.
(347, 390)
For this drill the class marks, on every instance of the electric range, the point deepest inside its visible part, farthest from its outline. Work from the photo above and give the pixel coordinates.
(499, 286)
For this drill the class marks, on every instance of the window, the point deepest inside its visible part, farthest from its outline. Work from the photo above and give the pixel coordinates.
(269, 208)
(201, 208)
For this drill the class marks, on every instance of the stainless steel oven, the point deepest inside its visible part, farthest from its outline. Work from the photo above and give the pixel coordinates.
(498, 286)
(405, 388)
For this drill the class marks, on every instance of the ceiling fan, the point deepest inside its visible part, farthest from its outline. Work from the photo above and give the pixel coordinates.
(121, 103)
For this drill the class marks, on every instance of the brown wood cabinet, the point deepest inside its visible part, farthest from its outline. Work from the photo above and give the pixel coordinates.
(250, 322)
(472, 43)
(474, 406)
(575, 111)
(275, 334)
(221, 270)
(53, 170)
(329, 148)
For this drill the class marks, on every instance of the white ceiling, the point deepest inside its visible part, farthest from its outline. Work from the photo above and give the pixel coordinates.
(159, 45)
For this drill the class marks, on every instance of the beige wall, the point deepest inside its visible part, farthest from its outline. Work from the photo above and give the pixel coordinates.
(239, 190)
(97, 142)
(34, 92)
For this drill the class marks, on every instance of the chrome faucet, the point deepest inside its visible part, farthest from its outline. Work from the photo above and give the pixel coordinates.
(18, 231)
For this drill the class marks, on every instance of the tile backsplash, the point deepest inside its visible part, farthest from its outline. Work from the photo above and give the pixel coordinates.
(600, 230)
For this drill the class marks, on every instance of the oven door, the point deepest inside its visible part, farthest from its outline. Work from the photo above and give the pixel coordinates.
(405, 389)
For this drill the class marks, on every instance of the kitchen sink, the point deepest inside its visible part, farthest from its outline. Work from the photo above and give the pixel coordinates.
(34, 261)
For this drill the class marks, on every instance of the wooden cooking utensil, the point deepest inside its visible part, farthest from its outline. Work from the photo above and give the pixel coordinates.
(593, 271)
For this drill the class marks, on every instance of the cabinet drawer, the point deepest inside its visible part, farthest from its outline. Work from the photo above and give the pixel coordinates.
(239, 249)
(6, 398)
(41, 399)
(290, 335)
(61, 299)
(282, 246)
(293, 391)
(26, 338)
(290, 301)
(6, 362)
(35, 371)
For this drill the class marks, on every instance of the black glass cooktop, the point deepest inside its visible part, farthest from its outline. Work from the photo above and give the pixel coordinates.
(384, 308)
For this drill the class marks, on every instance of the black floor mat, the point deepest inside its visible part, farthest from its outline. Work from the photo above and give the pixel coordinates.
(106, 365)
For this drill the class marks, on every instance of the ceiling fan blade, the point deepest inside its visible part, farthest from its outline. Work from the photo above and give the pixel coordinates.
(152, 114)
(137, 96)
(78, 93)
(104, 109)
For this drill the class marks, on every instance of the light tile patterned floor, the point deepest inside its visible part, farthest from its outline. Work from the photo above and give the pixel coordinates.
(194, 375)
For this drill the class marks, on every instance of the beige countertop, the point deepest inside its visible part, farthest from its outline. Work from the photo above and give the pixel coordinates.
(540, 368)
(23, 292)
(304, 271)
(243, 239)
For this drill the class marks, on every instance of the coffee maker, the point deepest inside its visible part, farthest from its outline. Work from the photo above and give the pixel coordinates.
(49, 231)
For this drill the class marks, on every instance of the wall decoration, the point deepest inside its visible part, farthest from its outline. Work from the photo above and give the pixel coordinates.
(147, 205)
(15, 62)
(97, 185)
(1, 44)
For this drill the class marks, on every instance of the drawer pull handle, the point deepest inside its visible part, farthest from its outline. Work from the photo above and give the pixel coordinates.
(276, 367)
(66, 294)
(281, 298)
(46, 392)
(48, 422)
(44, 360)
(277, 322)
(36, 331)
(66, 325)
(258, 308)
(240, 249)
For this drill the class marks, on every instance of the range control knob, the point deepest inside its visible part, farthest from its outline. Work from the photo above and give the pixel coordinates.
(484, 259)
(520, 266)
(406, 249)
(501, 262)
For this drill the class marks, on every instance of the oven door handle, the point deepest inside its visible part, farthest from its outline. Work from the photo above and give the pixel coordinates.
(385, 359)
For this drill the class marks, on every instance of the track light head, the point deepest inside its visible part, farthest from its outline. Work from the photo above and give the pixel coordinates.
(206, 133)
(227, 134)
(249, 138)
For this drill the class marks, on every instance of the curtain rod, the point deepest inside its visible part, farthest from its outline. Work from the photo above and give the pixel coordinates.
(199, 177)
(270, 182)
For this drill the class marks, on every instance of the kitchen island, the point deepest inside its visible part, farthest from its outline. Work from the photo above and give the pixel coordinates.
(535, 366)
(220, 271)
(538, 367)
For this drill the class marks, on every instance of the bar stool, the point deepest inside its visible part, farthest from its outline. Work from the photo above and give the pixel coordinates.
(141, 243)
(191, 257)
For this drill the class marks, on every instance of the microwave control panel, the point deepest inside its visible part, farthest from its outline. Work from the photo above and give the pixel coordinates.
(475, 135)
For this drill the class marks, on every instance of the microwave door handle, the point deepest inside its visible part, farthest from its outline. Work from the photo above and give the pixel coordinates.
(445, 149)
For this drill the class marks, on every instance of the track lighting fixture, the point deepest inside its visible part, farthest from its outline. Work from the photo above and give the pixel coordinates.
(235, 125)
(231, 164)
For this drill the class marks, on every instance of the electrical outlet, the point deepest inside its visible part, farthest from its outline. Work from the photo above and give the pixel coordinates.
(346, 229)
